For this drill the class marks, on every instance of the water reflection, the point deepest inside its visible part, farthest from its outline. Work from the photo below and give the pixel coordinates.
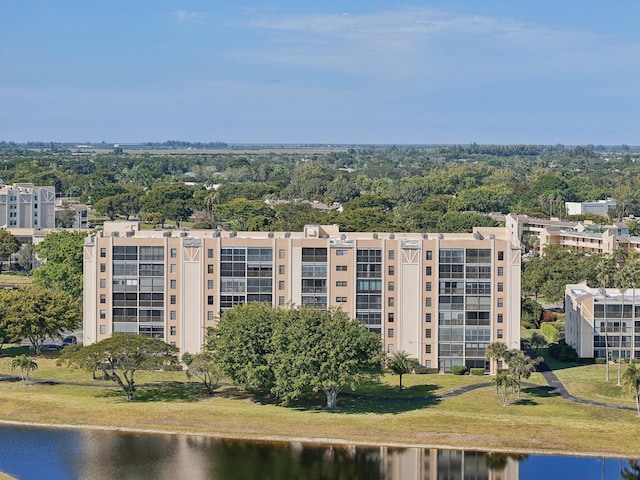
(34, 453)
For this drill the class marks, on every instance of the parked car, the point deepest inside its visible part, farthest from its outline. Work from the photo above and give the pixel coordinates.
(70, 340)
(51, 347)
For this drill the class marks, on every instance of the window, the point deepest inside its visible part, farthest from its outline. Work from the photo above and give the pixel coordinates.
(427, 348)
(500, 318)
(173, 253)
(392, 254)
(427, 302)
(390, 332)
(428, 271)
(390, 301)
(281, 253)
(429, 255)
(103, 252)
(500, 287)
(281, 269)
(427, 333)
(103, 283)
(428, 286)
(209, 268)
(210, 300)
(341, 268)
(172, 330)
(172, 299)
(392, 270)
(341, 253)
(341, 299)
(173, 284)
(103, 329)
(390, 348)
(173, 315)
(103, 314)
(281, 301)
(209, 284)
(103, 298)
(281, 285)
(210, 315)
(391, 286)
(500, 271)
(390, 317)
(341, 283)
(500, 333)
(500, 302)
(210, 253)
(103, 267)
(173, 268)
(501, 255)
(427, 317)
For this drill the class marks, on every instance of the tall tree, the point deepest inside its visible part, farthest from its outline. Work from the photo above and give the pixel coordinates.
(8, 246)
(521, 366)
(35, 313)
(62, 254)
(322, 351)
(122, 356)
(496, 351)
(605, 271)
(400, 364)
(242, 342)
(631, 379)
(203, 366)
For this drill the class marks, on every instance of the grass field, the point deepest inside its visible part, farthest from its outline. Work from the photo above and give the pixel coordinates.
(539, 421)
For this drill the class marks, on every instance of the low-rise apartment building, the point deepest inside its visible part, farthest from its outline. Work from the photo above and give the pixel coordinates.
(602, 320)
(440, 297)
(23, 205)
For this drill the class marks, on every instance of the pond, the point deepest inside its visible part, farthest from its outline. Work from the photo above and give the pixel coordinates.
(59, 454)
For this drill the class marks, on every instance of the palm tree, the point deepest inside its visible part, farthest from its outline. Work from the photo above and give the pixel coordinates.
(497, 351)
(401, 363)
(520, 366)
(25, 364)
(631, 380)
(505, 384)
(604, 274)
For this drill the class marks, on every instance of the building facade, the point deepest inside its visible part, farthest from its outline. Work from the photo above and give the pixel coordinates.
(597, 207)
(440, 297)
(603, 320)
(24, 205)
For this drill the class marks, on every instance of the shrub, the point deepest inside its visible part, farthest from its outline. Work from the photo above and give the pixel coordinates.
(563, 352)
(531, 312)
(424, 370)
(458, 370)
(548, 316)
(476, 371)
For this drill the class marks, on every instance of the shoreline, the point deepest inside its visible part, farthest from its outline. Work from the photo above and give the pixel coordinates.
(313, 441)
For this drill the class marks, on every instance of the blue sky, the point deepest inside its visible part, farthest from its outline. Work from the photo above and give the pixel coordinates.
(378, 72)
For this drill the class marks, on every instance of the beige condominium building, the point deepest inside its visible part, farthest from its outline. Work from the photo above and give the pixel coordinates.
(440, 297)
(23, 205)
(601, 321)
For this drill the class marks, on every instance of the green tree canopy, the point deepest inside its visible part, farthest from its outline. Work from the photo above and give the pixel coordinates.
(121, 356)
(400, 364)
(8, 246)
(62, 254)
(35, 313)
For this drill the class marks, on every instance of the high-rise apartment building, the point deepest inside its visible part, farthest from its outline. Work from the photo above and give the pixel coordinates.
(23, 205)
(440, 297)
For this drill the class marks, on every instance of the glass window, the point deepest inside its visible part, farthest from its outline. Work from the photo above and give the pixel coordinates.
(391, 286)
(500, 286)
(103, 252)
(103, 329)
(390, 317)
(172, 299)
(341, 283)
(173, 253)
(500, 318)
(427, 348)
(103, 314)
(429, 270)
(210, 253)
(341, 253)
(281, 269)
(210, 300)
(341, 268)
(428, 302)
(341, 299)
(392, 254)
(281, 301)
(209, 284)
(172, 330)
(209, 269)
(500, 271)
(173, 268)
(390, 348)
(391, 270)
(103, 267)
(429, 255)
(428, 286)
(390, 301)
(500, 302)
(210, 315)
(281, 285)
(427, 333)
(281, 253)
(172, 315)
(173, 284)
(427, 317)
(500, 255)
(390, 332)
(103, 298)
(500, 333)
(103, 283)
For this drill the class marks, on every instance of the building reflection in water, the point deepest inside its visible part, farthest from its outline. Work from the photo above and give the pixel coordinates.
(103, 455)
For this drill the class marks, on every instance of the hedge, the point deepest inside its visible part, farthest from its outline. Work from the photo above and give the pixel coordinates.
(476, 371)
(458, 369)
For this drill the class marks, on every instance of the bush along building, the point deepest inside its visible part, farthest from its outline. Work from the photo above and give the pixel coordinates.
(441, 297)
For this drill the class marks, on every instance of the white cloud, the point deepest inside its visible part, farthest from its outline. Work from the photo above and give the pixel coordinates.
(186, 16)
